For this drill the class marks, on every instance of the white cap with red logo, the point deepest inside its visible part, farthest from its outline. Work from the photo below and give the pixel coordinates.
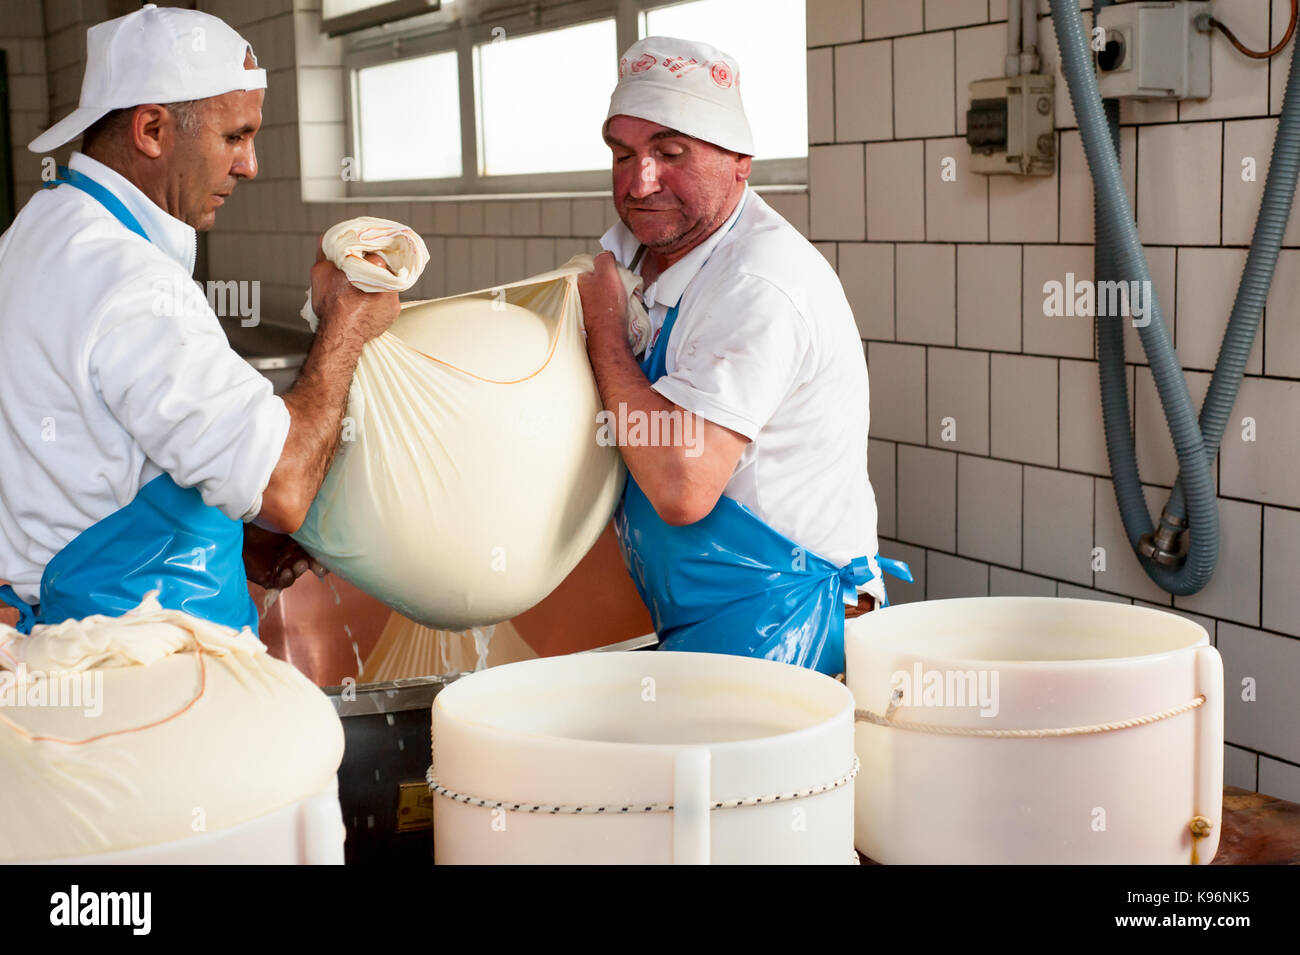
(685, 85)
(154, 55)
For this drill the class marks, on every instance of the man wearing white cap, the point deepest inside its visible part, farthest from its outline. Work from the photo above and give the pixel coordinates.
(134, 443)
(755, 539)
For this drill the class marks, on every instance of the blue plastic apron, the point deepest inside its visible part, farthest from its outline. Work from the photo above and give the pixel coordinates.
(166, 539)
(729, 583)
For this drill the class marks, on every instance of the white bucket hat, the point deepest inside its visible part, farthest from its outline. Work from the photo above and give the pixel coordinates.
(685, 85)
(154, 55)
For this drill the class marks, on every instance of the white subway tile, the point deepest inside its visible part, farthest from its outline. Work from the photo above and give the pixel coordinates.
(867, 273)
(951, 577)
(539, 256)
(926, 290)
(988, 299)
(863, 92)
(1069, 335)
(895, 191)
(927, 496)
(957, 400)
(470, 218)
(557, 217)
(510, 260)
(836, 189)
(897, 376)
(989, 494)
(1022, 416)
(1178, 183)
(923, 85)
(892, 17)
(1265, 469)
(482, 263)
(956, 199)
(1058, 525)
(940, 14)
(496, 218)
(458, 266)
(1279, 779)
(791, 206)
(1279, 67)
(1240, 767)
(1247, 149)
(1281, 331)
(1280, 603)
(1266, 718)
(1023, 208)
(526, 217)
(821, 95)
(589, 218)
(1207, 285)
(828, 251)
(1012, 583)
(1087, 593)
(834, 21)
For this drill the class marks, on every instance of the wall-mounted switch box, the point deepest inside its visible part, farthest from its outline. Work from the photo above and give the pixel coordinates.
(1011, 125)
(1153, 50)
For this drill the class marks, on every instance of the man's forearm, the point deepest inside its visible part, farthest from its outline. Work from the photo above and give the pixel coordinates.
(316, 405)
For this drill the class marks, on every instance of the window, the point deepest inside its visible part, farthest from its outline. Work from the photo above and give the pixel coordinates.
(409, 119)
(514, 103)
(767, 39)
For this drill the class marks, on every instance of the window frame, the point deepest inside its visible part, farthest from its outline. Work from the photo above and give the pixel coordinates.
(390, 43)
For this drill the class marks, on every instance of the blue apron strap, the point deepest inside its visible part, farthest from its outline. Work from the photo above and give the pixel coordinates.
(26, 613)
(106, 198)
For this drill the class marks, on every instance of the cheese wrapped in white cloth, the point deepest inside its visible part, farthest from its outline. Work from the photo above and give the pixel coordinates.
(124, 732)
(469, 479)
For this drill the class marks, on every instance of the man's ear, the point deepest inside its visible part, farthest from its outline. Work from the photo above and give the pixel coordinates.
(744, 167)
(147, 123)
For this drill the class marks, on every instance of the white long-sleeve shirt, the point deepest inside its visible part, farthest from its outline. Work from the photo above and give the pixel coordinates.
(765, 344)
(114, 370)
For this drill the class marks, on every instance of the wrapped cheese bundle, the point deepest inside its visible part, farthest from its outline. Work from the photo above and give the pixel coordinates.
(160, 737)
(469, 480)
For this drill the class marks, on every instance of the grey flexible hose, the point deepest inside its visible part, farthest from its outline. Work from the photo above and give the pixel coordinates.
(1116, 234)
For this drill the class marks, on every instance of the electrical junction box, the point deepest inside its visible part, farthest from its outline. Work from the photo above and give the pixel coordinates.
(1153, 50)
(1011, 125)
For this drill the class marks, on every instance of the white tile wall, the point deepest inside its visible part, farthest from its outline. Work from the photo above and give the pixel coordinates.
(989, 494)
(1156, 459)
(896, 191)
(882, 466)
(1281, 332)
(927, 497)
(954, 13)
(1058, 517)
(1023, 408)
(901, 592)
(1207, 285)
(948, 577)
(980, 52)
(863, 84)
(1066, 335)
(834, 21)
(1264, 470)
(1234, 591)
(926, 277)
(1272, 663)
(1280, 607)
(956, 200)
(1279, 779)
(821, 95)
(1240, 84)
(988, 299)
(867, 273)
(1178, 183)
(1083, 435)
(1240, 767)
(1012, 583)
(897, 374)
(924, 85)
(1122, 573)
(958, 400)
(892, 17)
(836, 190)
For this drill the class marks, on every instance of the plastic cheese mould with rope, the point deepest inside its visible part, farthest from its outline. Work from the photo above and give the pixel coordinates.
(596, 569)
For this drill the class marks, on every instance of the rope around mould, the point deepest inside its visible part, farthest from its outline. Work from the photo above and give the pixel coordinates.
(866, 716)
(438, 789)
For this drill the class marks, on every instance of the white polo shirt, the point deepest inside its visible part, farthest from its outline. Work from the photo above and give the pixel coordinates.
(114, 370)
(765, 344)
